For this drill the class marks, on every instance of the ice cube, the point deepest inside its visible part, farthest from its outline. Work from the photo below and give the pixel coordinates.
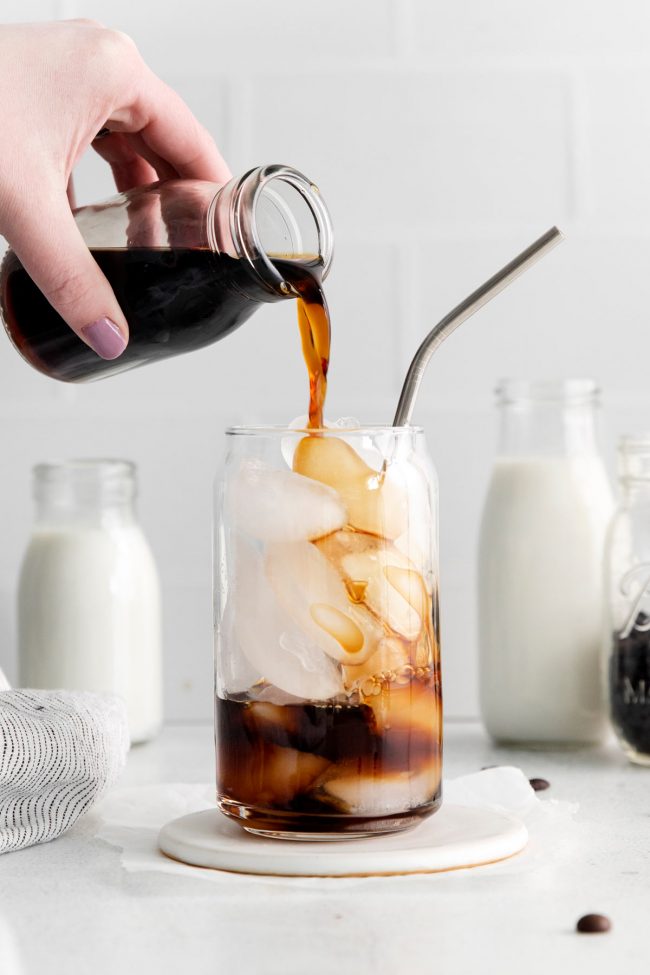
(272, 643)
(275, 775)
(363, 445)
(391, 657)
(269, 693)
(271, 720)
(290, 442)
(390, 792)
(237, 673)
(418, 538)
(374, 503)
(313, 594)
(382, 577)
(274, 506)
(413, 708)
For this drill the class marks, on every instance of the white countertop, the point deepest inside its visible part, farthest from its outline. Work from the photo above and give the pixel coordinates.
(74, 909)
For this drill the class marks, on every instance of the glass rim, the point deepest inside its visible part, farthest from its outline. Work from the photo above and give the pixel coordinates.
(547, 391)
(245, 430)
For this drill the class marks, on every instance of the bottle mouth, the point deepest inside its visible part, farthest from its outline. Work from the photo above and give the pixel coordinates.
(84, 479)
(273, 214)
(634, 457)
(550, 392)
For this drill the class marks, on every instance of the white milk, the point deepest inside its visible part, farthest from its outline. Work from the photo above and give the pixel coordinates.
(541, 599)
(89, 617)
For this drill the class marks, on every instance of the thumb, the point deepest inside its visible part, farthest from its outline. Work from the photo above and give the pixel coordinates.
(50, 247)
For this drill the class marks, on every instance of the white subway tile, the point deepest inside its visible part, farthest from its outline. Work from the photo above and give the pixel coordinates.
(509, 28)
(581, 311)
(398, 153)
(243, 35)
(188, 662)
(502, 119)
(21, 12)
(617, 146)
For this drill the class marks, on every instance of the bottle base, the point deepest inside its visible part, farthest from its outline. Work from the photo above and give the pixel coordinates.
(636, 758)
(321, 827)
(539, 745)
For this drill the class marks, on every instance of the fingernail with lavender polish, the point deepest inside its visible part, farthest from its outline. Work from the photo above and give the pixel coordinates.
(105, 338)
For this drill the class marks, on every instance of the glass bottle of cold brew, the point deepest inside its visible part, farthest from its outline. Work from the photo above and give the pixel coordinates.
(188, 260)
(628, 580)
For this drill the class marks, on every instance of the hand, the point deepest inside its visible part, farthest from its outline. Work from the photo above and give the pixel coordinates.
(61, 84)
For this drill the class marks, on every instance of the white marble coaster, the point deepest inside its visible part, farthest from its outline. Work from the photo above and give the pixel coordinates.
(454, 837)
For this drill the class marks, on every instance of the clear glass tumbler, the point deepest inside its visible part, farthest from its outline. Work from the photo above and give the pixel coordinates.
(328, 704)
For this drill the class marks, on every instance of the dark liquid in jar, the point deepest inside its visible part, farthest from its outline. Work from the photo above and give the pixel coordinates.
(175, 300)
(629, 684)
(316, 768)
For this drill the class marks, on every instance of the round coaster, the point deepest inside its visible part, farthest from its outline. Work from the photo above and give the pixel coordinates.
(456, 836)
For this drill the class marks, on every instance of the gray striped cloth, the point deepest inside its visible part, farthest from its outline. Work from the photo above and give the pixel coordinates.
(59, 751)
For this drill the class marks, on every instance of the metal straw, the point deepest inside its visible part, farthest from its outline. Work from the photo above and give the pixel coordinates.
(461, 313)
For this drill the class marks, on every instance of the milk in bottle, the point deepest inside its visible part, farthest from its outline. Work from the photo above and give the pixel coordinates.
(540, 568)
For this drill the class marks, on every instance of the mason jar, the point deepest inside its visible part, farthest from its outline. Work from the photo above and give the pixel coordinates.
(627, 638)
(328, 703)
(540, 578)
(88, 595)
(188, 260)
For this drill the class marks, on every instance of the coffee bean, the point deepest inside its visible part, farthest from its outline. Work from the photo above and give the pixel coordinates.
(539, 784)
(593, 924)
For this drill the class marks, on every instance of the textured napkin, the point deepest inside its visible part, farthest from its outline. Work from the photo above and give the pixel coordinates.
(59, 751)
(132, 817)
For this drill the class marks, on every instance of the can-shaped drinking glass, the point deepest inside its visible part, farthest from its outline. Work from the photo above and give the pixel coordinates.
(328, 703)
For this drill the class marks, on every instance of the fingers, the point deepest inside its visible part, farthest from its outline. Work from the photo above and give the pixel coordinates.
(160, 166)
(71, 194)
(167, 130)
(128, 166)
(151, 119)
(52, 250)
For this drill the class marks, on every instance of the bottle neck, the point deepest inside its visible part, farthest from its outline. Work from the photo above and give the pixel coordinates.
(84, 494)
(634, 469)
(270, 217)
(634, 492)
(547, 419)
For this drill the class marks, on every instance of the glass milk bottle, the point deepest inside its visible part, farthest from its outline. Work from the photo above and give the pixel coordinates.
(628, 618)
(540, 568)
(88, 597)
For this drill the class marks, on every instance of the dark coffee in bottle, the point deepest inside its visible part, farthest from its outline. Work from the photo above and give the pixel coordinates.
(189, 261)
(175, 301)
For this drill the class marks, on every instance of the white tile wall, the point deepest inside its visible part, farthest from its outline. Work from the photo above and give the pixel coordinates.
(444, 136)
(555, 29)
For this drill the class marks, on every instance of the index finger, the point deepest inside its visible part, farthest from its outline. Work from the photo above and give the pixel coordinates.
(168, 128)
